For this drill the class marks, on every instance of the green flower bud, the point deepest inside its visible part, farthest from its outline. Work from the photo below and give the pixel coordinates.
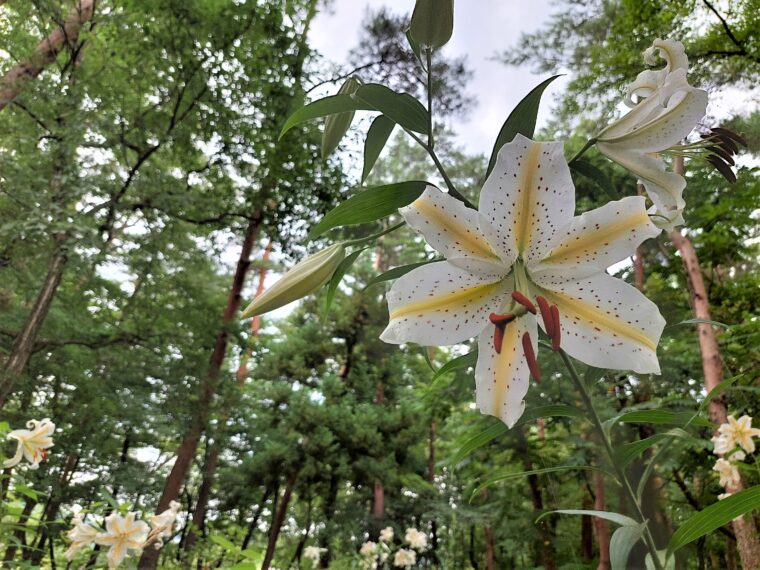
(302, 279)
(337, 125)
(432, 22)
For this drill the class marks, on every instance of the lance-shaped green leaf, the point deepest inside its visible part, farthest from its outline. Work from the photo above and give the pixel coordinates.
(337, 277)
(463, 361)
(622, 542)
(715, 516)
(495, 429)
(432, 22)
(521, 120)
(549, 411)
(396, 272)
(300, 280)
(324, 107)
(379, 131)
(415, 47)
(660, 417)
(337, 124)
(545, 470)
(617, 518)
(401, 108)
(370, 205)
(628, 452)
(587, 169)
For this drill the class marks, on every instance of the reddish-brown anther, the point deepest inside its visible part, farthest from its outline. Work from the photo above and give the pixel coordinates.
(557, 329)
(524, 301)
(546, 315)
(498, 338)
(501, 320)
(530, 357)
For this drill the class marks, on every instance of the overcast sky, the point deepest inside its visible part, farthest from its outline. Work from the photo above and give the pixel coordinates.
(482, 29)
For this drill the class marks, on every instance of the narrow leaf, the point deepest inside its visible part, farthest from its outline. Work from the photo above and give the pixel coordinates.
(496, 429)
(521, 120)
(396, 272)
(631, 451)
(617, 518)
(432, 22)
(701, 321)
(415, 47)
(551, 410)
(402, 108)
(662, 417)
(621, 543)
(337, 277)
(715, 516)
(324, 107)
(370, 205)
(463, 361)
(337, 125)
(509, 476)
(379, 131)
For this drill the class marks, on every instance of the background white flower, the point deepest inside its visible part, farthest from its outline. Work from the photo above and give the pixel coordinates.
(415, 538)
(33, 443)
(386, 535)
(314, 553)
(122, 535)
(729, 474)
(81, 535)
(405, 558)
(736, 432)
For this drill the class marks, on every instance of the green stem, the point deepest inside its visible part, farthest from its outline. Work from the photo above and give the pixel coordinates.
(359, 241)
(429, 54)
(580, 153)
(623, 479)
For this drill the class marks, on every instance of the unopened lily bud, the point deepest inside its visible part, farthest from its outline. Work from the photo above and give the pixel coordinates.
(432, 22)
(337, 125)
(302, 279)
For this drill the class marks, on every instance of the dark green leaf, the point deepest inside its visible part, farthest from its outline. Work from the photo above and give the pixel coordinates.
(396, 272)
(337, 124)
(416, 49)
(402, 108)
(701, 321)
(508, 476)
(432, 22)
(337, 277)
(324, 107)
(496, 429)
(551, 410)
(662, 417)
(521, 120)
(379, 131)
(715, 516)
(370, 205)
(617, 518)
(630, 451)
(463, 361)
(587, 169)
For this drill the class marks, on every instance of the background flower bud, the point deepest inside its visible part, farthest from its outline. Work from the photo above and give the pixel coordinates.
(302, 279)
(432, 22)
(337, 125)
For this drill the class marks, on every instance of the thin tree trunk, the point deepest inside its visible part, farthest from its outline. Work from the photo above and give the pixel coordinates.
(211, 461)
(279, 518)
(431, 480)
(490, 559)
(189, 446)
(20, 533)
(587, 532)
(471, 552)
(255, 519)
(46, 52)
(378, 496)
(601, 526)
(747, 536)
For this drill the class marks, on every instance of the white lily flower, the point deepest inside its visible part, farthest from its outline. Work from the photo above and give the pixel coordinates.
(162, 524)
(415, 538)
(314, 553)
(737, 432)
(33, 443)
(729, 474)
(667, 110)
(525, 243)
(81, 535)
(386, 535)
(405, 558)
(122, 535)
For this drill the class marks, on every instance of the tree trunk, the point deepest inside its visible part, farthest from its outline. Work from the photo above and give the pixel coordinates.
(189, 445)
(20, 533)
(747, 535)
(279, 518)
(431, 480)
(255, 519)
(46, 52)
(211, 461)
(587, 532)
(490, 558)
(601, 526)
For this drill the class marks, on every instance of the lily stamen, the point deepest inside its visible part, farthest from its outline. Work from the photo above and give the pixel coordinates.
(530, 357)
(500, 322)
(524, 301)
(557, 332)
(546, 315)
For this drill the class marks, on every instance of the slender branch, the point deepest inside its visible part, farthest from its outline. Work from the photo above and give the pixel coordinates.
(623, 479)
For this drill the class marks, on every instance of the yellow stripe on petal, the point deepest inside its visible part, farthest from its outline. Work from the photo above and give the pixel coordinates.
(574, 307)
(504, 363)
(526, 204)
(596, 238)
(462, 234)
(455, 299)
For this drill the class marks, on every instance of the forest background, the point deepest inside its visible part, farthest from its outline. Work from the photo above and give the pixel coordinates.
(141, 153)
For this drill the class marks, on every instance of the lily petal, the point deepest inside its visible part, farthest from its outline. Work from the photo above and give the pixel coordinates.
(605, 322)
(448, 225)
(528, 196)
(596, 239)
(501, 379)
(440, 304)
(116, 554)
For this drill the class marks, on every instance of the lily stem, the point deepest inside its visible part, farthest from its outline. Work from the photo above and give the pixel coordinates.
(359, 241)
(580, 153)
(623, 479)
